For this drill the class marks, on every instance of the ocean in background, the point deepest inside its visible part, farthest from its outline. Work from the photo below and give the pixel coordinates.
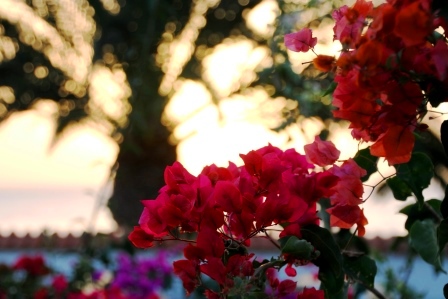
(60, 210)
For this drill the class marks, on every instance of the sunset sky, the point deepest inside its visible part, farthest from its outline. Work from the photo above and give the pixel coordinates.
(58, 189)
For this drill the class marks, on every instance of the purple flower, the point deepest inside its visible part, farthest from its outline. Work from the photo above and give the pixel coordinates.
(140, 277)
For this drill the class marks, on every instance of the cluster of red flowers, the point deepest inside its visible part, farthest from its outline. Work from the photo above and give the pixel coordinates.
(32, 265)
(392, 64)
(229, 206)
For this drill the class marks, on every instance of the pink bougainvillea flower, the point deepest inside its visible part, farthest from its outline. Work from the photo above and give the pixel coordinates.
(321, 152)
(349, 22)
(300, 41)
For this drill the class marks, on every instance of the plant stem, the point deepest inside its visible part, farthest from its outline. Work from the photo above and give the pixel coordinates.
(434, 212)
(370, 288)
(270, 239)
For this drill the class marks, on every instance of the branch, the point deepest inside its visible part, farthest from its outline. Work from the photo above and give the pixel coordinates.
(370, 288)
(270, 240)
(434, 212)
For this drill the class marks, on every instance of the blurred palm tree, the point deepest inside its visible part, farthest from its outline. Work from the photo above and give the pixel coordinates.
(113, 64)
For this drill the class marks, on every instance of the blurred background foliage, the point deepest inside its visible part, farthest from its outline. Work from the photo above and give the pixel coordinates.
(115, 65)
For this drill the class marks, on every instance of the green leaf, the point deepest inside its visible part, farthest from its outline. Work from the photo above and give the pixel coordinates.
(332, 285)
(399, 188)
(360, 268)
(422, 237)
(417, 174)
(442, 234)
(300, 249)
(414, 212)
(255, 295)
(390, 61)
(366, 161)
(434, 37)
(256, 264)
(329, 261)
(330, 88)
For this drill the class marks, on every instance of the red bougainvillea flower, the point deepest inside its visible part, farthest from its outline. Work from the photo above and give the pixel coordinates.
(33, 265)
(321, 152)
(345, 211)
(273, 187)
(301, 41)
(41, 293)
(413, 24)
(140, 238)
(290, 271)
(240, 265)
(215, 269)
(59, 283)
(347, 216)
(209, 294)
(395, 144)
(227, 207)
(210, 242)
(271, 276)
(282, 288)
(348, 189)
(387, 69)
(188, 272)
(311, 293)
(286, 287)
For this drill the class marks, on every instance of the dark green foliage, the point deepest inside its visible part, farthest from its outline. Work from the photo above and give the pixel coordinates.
(422, 237)
(417, 174)
(415, 212)
(293, 246)
(330, 260)
(442, 235)
(444, 204)
(366, 161)
(360, 269)
(399, 188)
(444, 135)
